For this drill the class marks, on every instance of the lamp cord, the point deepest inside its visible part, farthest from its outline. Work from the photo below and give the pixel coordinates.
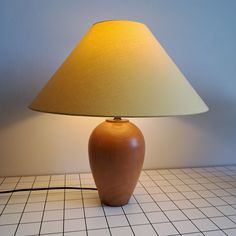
(50, 188)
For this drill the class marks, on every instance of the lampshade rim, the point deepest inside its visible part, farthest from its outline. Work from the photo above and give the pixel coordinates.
(122, 20)
(121, 71)
(125, 116)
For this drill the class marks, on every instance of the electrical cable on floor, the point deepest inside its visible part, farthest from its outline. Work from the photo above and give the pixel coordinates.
(50, 188)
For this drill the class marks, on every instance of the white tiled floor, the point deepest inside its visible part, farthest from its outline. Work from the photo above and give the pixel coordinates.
(188, 202)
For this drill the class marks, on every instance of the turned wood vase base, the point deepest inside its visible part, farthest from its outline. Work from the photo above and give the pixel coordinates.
(116, 154)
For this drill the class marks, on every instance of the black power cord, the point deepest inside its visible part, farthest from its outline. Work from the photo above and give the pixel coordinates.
(50, 188)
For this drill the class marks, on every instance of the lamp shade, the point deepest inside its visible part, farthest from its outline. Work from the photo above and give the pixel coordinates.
(119, 69)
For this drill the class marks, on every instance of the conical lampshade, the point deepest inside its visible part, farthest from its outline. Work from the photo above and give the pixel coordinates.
(119, 69)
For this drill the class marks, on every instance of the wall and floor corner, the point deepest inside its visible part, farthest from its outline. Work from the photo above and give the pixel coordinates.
(36, 36)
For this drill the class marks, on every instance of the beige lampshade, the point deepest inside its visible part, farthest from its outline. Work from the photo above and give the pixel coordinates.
(119, 69)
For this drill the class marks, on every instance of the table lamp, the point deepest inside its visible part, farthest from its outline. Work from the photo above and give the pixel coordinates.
(118, 70)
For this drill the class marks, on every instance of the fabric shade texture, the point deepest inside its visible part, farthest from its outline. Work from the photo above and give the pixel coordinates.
(119, 69)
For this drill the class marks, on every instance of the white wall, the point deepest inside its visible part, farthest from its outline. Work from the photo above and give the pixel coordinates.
(37, 35)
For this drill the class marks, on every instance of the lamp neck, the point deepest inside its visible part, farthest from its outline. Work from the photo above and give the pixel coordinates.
(117, 118)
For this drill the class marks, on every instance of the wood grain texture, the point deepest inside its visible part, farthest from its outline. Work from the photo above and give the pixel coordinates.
(116, 155)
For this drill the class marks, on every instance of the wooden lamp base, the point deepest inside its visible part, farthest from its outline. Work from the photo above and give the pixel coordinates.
(116, 154)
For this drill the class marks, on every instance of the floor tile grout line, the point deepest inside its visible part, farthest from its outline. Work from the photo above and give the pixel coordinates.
(182, 209)
(129, 203)
(32, 183)
(191, 220)
(64, 204)
(127, 220)
(6, 204)
(161, 211)
(224, 174)
(4, 178)
(215, 183)
(82, 198)
(205, 174)
(146, 215)
(44, 207)
(205, 231)
(160, 187)
(127, 214)
(197, 208)
(226, 204)
(210, 190)
(106, 219)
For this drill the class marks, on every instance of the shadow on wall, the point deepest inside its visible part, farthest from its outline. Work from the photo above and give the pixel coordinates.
(19, 85)
(14, 104)
(220, 120)
(15, 113)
